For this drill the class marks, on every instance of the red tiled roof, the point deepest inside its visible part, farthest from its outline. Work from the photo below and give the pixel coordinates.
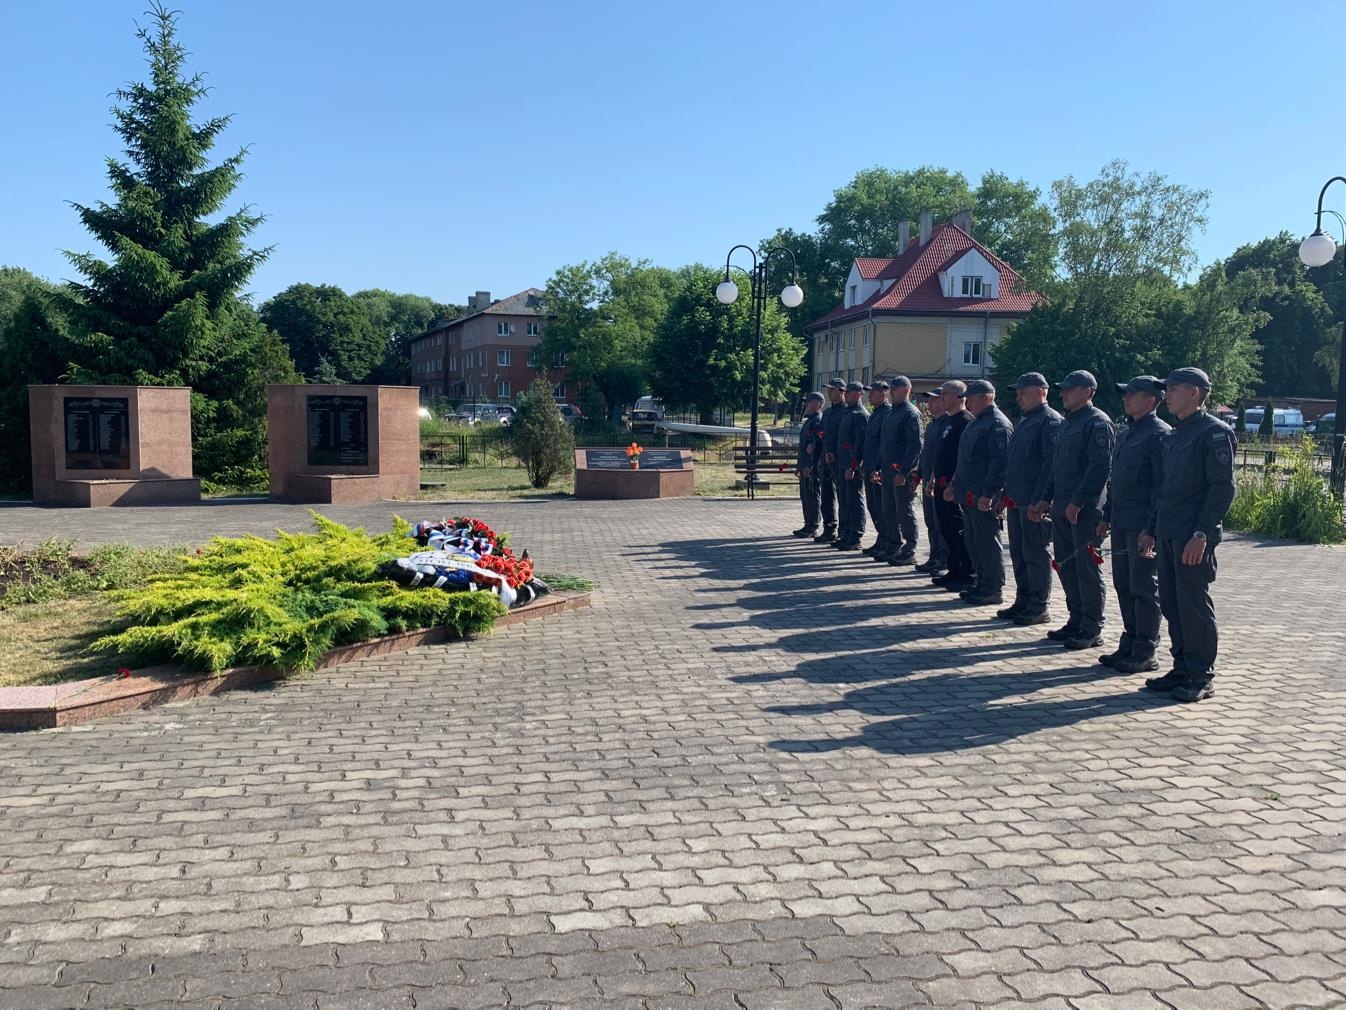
(915, 289)
(871, 266)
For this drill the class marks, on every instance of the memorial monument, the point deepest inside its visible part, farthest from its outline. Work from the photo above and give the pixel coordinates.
(334, 444)
(658, 473)
(111, 445)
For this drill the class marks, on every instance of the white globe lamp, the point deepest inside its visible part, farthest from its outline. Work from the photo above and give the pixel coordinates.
(1318, 249)
(793, 296)
(726, 292)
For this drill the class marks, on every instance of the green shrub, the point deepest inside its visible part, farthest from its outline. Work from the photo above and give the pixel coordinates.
(1299, 507)
(284, 602)
(542, 440)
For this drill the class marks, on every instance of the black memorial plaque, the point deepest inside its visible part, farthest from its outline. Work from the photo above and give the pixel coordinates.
(97, 433)
(662, 459)
(338, 431)
(650, 459)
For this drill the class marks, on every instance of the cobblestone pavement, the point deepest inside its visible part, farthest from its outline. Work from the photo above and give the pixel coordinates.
(756, 774)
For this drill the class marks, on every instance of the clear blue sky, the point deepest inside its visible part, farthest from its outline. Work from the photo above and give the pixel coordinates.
(443, 147)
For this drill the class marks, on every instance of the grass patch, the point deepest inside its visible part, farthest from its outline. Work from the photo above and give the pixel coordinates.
(496, 483)
(569, 583)
(42, 643)
(50, 571)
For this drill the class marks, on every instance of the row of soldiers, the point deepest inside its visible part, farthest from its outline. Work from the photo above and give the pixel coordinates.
(1063, 485)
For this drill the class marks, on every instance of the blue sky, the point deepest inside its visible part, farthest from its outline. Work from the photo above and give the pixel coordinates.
(441, 148)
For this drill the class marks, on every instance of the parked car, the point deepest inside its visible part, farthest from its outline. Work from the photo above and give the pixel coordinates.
(506, 414)
(645, 415)
(1287, 421)
(571, 414)
(473, 414)
(1325, 427)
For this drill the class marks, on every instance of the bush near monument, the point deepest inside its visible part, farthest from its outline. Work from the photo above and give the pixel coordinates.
(1298, 507)
(542, 440)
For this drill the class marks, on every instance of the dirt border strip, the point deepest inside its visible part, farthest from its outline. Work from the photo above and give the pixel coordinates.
(80, 701)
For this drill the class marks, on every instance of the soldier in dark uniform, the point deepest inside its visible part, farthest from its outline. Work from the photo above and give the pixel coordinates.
(871, 469)
(956, 418)
(1075, 495)
(850, 456)
(928, 485)
(1197, 490)
(978, 487)
(1031, 448)
(1130, 510)
(808, 464)
(827, 466)
(899, 459)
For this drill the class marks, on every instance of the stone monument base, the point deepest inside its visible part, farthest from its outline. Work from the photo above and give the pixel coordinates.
(629, 484)
(347, 488)
(88, 494)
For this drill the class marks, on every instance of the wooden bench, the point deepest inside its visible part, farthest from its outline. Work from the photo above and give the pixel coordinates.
(758, 464)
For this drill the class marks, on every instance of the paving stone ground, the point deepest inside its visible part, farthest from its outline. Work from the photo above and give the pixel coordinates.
(756, 774)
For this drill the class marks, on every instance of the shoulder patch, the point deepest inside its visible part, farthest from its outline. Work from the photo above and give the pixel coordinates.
(1101, 436)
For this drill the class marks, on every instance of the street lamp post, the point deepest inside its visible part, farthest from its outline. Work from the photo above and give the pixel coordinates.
(1318, 250)
(792, 296)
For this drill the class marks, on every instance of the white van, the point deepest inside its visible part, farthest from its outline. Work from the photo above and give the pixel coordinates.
(1288, 421)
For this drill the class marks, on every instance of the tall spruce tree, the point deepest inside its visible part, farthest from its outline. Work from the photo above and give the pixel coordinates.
(165, 307)
(156, 312)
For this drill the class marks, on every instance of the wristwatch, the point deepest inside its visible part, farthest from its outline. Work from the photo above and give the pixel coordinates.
(1199, 535)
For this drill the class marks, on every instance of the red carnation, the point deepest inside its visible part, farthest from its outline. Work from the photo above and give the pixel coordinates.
(1056, 567)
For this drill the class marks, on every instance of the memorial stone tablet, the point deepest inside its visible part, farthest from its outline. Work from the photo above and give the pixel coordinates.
(97, 433)
(650, 459)
(338, 431)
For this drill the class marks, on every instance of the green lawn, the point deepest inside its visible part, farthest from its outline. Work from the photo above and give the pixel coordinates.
(492, 483)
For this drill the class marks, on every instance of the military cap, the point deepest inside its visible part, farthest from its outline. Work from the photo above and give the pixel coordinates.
(879, 384)
(835, 384)
(980, 387)
(1030, 380)
(1190, 376)
(1142, 384)
(854, 387)
(899, 382)
(1078, 380)
(813, 396)
(930, 394)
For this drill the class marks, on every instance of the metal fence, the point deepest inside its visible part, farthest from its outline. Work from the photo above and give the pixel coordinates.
(495, 448)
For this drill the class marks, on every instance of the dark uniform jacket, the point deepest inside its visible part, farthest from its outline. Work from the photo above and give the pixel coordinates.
(810, 436)
(1198, 479)
(878, 420)
(1032, 447)
(1082, 461)
(981, 457)
(934, 441)
(1137, 468)
(900, 444)
(851, 437)
(831, 427)
(946, 458)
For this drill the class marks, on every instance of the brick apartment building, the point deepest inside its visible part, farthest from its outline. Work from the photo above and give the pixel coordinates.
(488, 354)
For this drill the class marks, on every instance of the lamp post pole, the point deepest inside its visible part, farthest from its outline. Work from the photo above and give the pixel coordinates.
(791, 297)
(1319, 250)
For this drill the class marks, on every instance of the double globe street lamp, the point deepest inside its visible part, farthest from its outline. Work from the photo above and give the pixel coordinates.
(791, 296)
(1316, 251)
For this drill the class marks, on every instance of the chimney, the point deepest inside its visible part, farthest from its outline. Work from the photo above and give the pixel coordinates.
(903, 236)
(963, 220)
(925, 226)
(481, 300)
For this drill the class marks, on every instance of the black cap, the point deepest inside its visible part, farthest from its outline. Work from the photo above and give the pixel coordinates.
(1190, 376)
(835, 384)
(879, 384)
(1078, 380)
(854, 387)
(980, 387)
(899, 382)
(813, 396)
(1030, 380)
(1142, 384)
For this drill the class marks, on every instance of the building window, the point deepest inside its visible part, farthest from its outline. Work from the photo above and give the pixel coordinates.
(535, 329)
(866, 336)
(850, 375)
(453, 362)
(502, 358)
(502, 329)
(852, 347)
(502, 390)
(864, 377)
(532, 358)
(972, 352)
(852, 294)
(559, 392)
(971, 287)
